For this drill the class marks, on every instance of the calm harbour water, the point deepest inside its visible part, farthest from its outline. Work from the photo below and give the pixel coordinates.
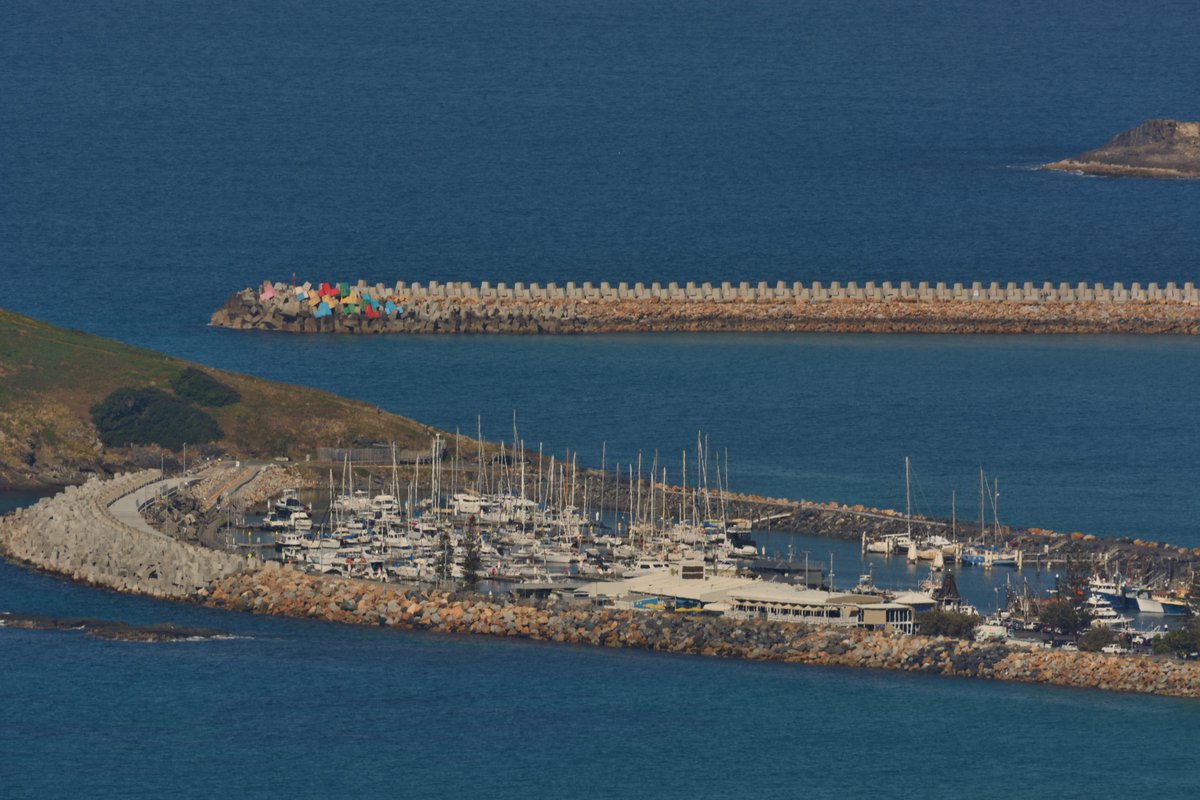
(159, 156)
(307, 709)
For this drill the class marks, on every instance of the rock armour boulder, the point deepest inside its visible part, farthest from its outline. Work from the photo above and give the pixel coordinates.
(289, 592)
(74, 534)
(922, 308)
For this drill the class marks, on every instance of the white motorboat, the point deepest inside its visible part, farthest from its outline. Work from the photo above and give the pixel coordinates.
(1103, 614)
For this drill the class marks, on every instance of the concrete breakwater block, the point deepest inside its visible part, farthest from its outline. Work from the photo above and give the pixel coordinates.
(76, 534)
(463, 307)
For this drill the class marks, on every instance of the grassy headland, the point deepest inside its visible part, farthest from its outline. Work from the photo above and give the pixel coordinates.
(51, 378)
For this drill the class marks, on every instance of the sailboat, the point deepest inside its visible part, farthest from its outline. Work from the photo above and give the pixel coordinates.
(897, 542)
(984, 555)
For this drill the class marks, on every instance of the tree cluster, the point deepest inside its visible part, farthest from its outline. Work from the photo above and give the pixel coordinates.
(1096, 638)
(203, 389)
(1065, 617)
(151, 416)
(444, 563)
(1068, 612)
(944, 622)
(1182, 641)
(472, 559)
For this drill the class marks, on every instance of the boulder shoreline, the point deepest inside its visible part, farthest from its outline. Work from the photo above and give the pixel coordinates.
(1158, 148)
(75, 534)
(285, 592)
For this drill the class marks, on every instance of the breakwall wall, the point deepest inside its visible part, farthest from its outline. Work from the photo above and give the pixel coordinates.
(459, 307)
(75, 534)
(285, 592)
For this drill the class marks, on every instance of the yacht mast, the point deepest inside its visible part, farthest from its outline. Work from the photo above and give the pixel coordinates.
(995, 510)
(666, 511)
(683, 498)
(454, 470)
(907, 501)
(639, 487)
(953, 518)
(574, 476)
(479, 447)
(631, 500)
(982, 525)
(603, 469)
(653, 471)
(616, 504)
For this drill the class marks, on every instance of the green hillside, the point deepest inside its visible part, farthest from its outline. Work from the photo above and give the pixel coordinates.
(51, 379)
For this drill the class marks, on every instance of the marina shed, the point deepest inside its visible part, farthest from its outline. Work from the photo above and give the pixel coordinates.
(674, 591)
(783, 603)
(663, 590)
(752, 598)
(887, 616)
(917, 601)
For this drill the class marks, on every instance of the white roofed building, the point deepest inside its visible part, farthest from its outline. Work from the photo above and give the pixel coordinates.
(752, 598)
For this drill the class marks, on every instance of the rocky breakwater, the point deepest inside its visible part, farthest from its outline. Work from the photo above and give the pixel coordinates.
(75, 534)
(607, 308)
(1158, 148)
(1042, 548)
(286, 592)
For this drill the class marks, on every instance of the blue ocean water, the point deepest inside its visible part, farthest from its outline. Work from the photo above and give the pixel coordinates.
(305, 709)
(158, 156)
(308, 709)
(1084, 433)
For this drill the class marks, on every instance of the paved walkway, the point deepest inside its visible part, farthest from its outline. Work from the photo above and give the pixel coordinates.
(126, 508)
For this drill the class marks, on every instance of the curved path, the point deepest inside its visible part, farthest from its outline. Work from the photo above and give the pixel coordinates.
(127, 508)
(95, 533)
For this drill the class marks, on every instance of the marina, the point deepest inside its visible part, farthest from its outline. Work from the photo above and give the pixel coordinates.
(158, 158)
(535, 527)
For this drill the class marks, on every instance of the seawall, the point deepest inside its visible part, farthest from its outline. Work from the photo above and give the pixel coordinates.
(286, 592)
(906, 307)
(77, 534)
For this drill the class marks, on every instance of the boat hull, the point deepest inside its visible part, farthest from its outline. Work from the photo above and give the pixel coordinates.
(1158, 605)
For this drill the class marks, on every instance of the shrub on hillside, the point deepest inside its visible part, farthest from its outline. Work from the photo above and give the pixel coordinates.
(203, 389)
(151, 416)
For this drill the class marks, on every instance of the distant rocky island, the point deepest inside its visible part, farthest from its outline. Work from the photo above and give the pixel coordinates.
(1158, 148)
(109, 629)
